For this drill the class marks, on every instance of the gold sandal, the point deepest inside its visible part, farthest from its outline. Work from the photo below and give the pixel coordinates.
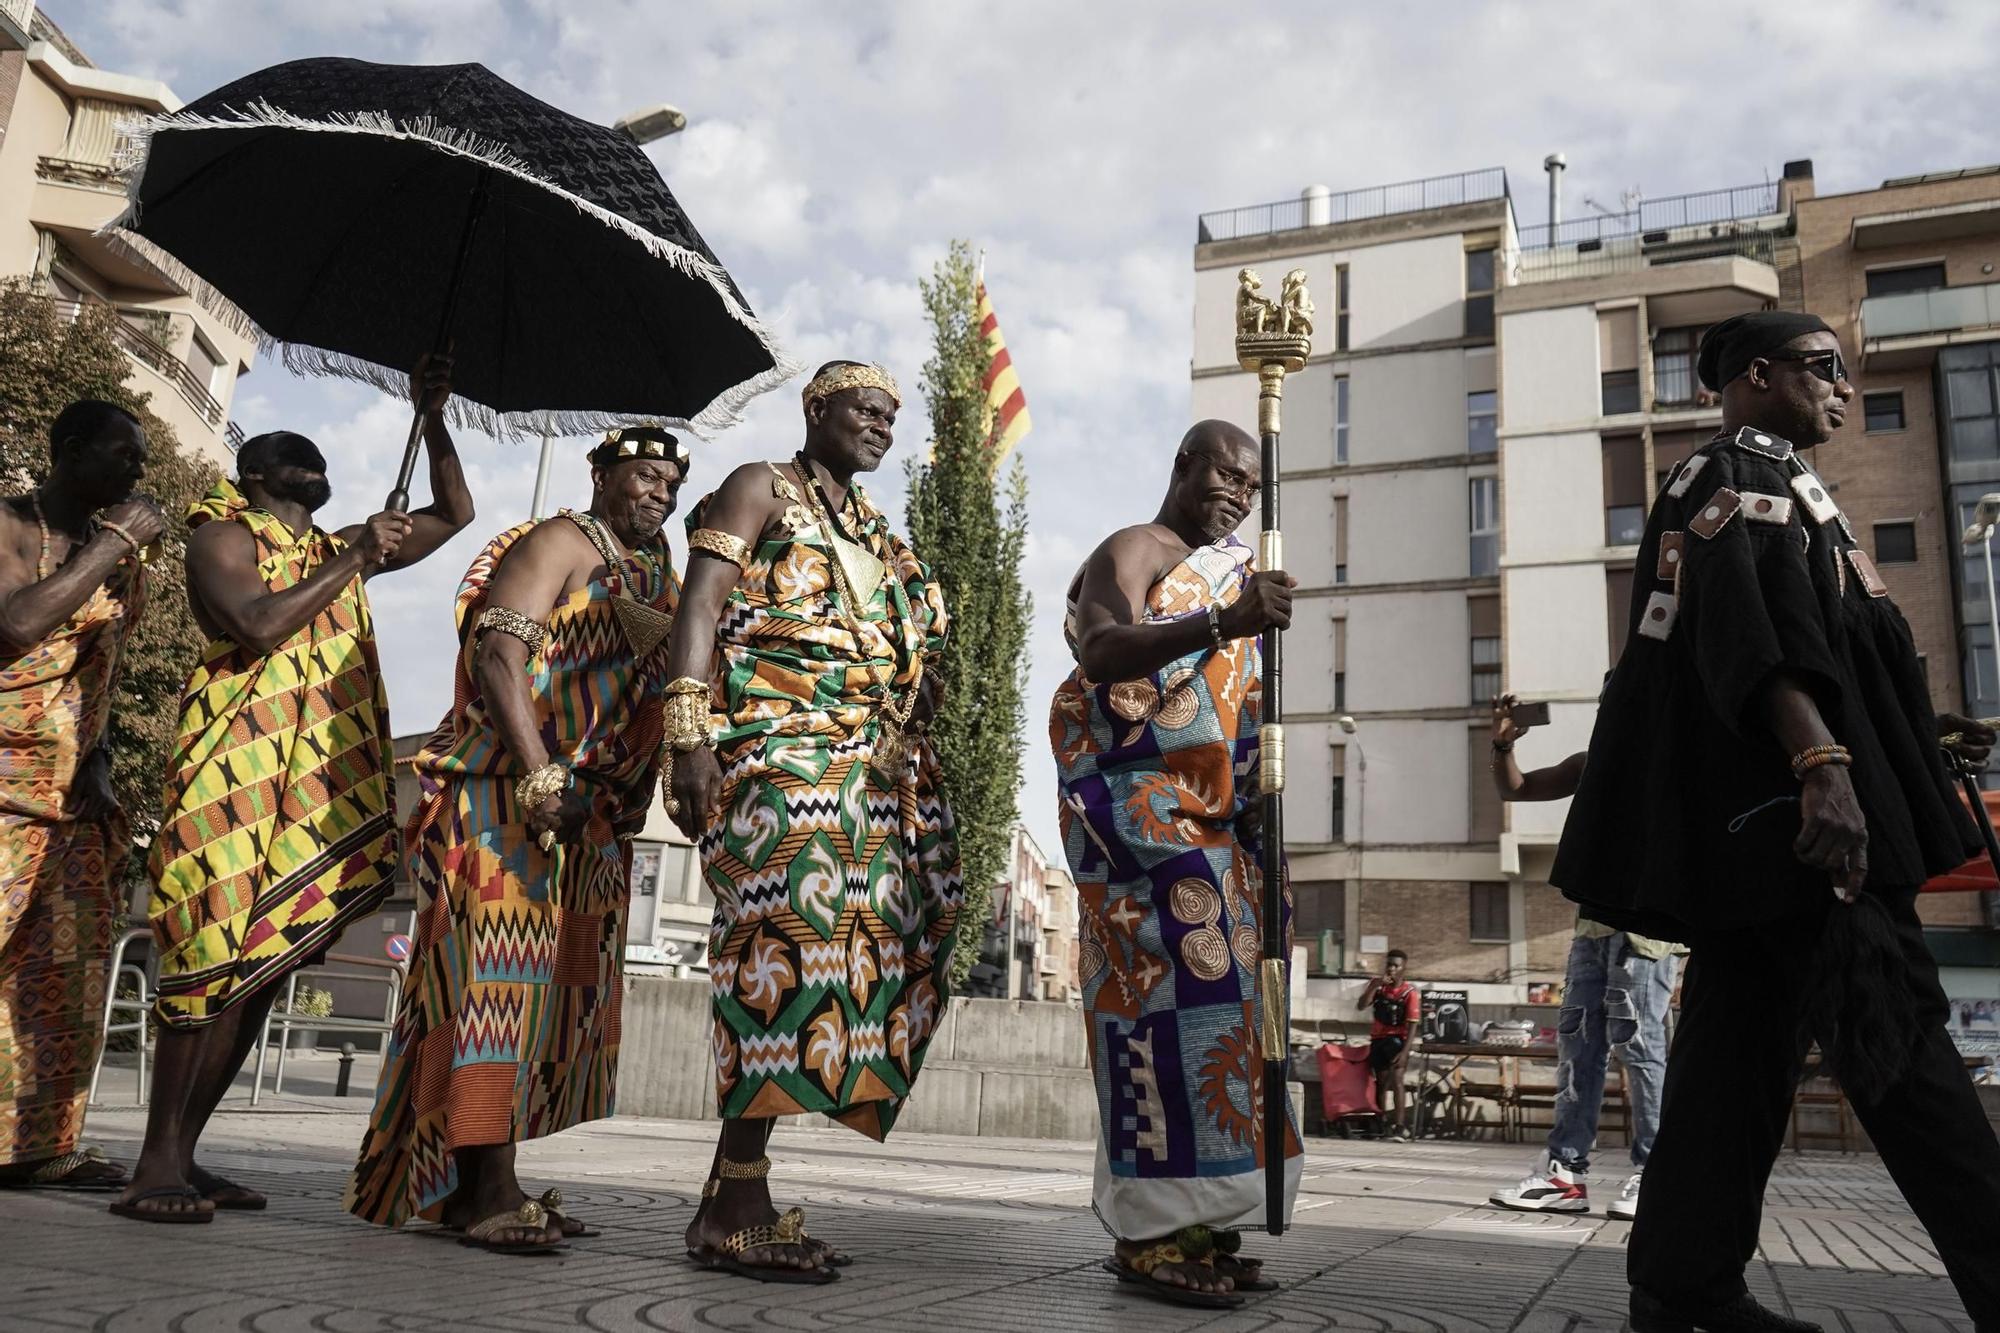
(1139, 1268)
(531, 1215)
(57, 1173)
(790, 1229)
(552, 1204)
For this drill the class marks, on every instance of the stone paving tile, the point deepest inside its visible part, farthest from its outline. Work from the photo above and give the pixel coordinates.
(949, 1234)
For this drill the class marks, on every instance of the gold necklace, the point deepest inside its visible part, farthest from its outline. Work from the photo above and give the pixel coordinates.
(891, 757)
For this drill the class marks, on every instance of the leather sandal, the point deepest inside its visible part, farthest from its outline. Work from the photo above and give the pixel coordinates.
(529, 1216)
(789, 1230)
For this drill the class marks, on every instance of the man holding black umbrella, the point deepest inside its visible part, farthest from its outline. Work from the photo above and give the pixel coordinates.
(279, 827)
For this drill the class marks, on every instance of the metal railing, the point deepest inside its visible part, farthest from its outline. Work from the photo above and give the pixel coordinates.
(284, 1021)
(156, 357)
(1681, 210)
(1629, 253)
(21, 11)
(233, 437)
(1376, 201)
(140, 1007)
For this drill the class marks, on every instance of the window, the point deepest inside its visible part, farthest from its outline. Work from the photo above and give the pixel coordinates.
(1340, 539)
(1339, 825)
(1485, 526)
(1972, 431)
(1482, 422)
(1621, 392)
(1489, 914)
(1319, 920)
(1340, 419)
(1673, 367)
(1485, 670)
(1895, 543)
(1884, 411)
(1914, 278)
(1479, 293)
(1341, 307)
(1340, 691)
(1624, 489)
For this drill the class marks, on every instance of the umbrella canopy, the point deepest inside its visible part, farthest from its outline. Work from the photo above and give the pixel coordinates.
(364, 215)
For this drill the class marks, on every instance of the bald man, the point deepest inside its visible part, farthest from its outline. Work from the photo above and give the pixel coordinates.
(1155, 741)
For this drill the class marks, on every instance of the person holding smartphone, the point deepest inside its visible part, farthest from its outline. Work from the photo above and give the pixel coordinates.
(1616, 986)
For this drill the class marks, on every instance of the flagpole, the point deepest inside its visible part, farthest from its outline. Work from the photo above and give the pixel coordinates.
(1273, 338)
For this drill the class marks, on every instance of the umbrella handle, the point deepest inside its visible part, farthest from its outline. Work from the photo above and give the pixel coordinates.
(399, 499)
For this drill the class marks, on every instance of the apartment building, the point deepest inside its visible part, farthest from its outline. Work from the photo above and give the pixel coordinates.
(1469, 458)
(59, 140)
(1391, 500)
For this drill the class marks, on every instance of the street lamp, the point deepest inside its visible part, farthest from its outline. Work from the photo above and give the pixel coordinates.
(1351, 728)
(643, 126)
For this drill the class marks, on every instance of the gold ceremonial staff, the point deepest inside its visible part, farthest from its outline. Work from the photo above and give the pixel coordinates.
(1273, 338)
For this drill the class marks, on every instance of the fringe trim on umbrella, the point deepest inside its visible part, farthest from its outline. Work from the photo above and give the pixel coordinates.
(725, 410)
(137, 249)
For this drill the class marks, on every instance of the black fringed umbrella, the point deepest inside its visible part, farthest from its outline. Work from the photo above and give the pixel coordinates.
(365, 215)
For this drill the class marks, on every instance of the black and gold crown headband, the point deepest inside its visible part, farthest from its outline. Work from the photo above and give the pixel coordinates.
(634, 442)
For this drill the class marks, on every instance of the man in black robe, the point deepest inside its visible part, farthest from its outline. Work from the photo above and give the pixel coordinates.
(1765, 784)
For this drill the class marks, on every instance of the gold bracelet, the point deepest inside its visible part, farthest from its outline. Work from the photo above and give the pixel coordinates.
(550, 779)
(511, 622)
(726, 545)
(685, 716)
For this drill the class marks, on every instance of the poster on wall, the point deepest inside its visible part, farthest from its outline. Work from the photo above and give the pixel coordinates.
(1974, 1025)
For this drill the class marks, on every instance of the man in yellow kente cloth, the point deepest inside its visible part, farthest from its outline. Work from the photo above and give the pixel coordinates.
(279, 828)
(71, 586)
(802, 669)
(533, 786)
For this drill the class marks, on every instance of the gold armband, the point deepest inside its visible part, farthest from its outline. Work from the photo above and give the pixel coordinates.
(549, 780)
(686, 715)
(727, 545)
(511, 622)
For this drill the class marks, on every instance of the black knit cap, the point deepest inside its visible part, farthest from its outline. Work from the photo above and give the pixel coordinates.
(1728, 348)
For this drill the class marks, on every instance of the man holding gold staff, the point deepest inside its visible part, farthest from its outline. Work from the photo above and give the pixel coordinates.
(803, 672)
(533, 786)
(1155, 741)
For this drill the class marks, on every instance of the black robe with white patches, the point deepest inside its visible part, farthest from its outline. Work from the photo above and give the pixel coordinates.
(1687, 812)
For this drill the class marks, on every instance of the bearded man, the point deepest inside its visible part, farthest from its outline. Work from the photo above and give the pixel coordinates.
(1155, 740)
(279, 828)
(803, 670)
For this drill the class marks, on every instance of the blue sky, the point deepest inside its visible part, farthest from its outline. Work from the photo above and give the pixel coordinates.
(834, 151)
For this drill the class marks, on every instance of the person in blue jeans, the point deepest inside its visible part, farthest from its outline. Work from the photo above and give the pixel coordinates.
(1616, 988)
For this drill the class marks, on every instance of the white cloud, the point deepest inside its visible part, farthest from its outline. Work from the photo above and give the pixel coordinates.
(834, 152)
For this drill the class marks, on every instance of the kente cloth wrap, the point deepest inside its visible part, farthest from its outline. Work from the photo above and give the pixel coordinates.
(58, 904)
(508, 1025)
(836, 890)
(279, 828)
(1686, 825)
(1155, 777)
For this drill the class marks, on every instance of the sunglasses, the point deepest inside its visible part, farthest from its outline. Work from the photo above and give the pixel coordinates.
(1826, 364)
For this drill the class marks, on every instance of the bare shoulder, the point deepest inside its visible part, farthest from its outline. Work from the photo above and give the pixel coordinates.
(220, 540)
(1144, 548)
(752, 484)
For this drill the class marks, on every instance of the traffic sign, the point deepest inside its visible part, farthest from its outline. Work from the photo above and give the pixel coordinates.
(397, 947)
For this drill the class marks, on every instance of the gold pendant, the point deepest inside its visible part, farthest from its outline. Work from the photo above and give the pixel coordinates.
(892, 751)
(644, 626)
(864, 571)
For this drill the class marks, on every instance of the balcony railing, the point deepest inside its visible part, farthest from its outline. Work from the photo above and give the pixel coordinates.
(1681, 210)
(21, 11)
(1377, 201)
(1590, 259)
(159, 359)
(1940, 310)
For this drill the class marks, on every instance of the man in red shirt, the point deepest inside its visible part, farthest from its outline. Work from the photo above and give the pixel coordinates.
(1398, 1009)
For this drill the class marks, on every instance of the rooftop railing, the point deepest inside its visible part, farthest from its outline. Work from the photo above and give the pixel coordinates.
(1590, 259)
(1681, 210)
(1376, 201)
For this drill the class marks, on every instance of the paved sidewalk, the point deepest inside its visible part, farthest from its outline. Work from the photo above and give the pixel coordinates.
(953, 1234)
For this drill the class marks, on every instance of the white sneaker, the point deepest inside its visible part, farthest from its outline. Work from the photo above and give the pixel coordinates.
(1626, 1206)
(1554, 1189)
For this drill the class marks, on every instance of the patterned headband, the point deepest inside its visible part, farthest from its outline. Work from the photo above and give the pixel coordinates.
(633, 442)
(836, 378)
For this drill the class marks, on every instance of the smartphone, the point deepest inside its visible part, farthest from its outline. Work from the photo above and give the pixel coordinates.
(1530, 715)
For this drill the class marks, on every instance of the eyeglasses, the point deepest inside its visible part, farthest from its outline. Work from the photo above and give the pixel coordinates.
(1825, 363)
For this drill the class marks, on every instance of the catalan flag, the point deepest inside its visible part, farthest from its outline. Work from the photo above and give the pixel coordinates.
(1004, 400)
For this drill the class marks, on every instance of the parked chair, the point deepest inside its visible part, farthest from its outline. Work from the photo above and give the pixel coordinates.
(141, 1007)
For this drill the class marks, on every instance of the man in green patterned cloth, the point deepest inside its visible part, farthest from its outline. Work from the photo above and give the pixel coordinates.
(803, 669)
